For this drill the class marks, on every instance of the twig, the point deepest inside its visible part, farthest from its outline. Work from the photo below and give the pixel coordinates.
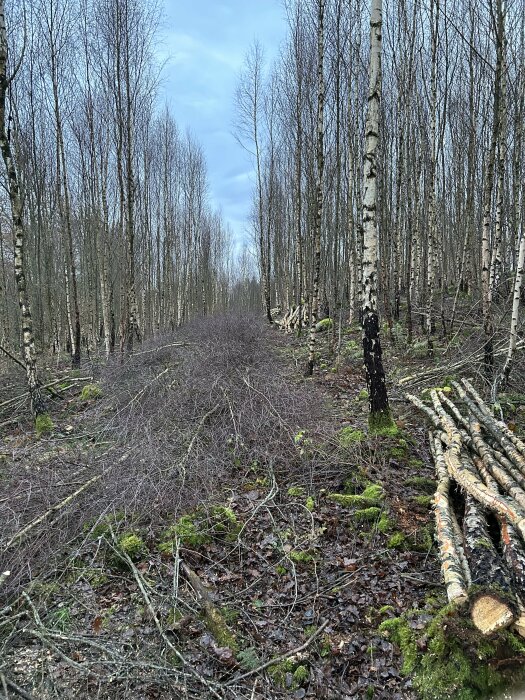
(162, 347)
(12, 357)
(21, 533)
(17, 689)
(282, 657)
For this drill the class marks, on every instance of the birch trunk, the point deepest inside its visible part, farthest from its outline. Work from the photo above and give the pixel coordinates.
(513, 339)
(28, 341)
(488, 323)
(314, 316)
(372, 353)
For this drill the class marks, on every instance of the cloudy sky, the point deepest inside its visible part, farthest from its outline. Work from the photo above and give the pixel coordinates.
(205, 42)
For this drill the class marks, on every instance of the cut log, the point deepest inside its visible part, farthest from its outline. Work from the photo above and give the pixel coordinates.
(519, 625)
(504, 479)
(500, 425)
(495, 428)
(451, 552)
(494, 605)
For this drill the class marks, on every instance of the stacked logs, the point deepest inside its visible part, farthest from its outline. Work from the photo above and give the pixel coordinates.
(290, 321)
(479, 507)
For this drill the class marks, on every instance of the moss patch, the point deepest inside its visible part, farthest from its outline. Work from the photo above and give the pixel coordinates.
(421, 483)
(289, 674)
(44, 424)
(423, 501)
(132, 545)
(448, 658)
(396, 541)
(349, 436)
(300, 557)
(367, 514)
(90, 391)
(381, 422)
(384, 524)
(218, 627)
(295, 491)
(371, 496)
(310, 504)
(200, 527)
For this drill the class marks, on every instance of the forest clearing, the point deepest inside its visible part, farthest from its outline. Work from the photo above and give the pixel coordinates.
(275, 454)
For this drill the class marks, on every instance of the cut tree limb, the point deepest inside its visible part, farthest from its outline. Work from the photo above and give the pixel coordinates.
(493, 603)
(450, 547)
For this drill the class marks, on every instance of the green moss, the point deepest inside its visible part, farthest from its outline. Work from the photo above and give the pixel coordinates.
(295, 491)
(43, 424)
(356, 483)
(218, 627)
(398, 629)
(385, 609)
(416, 464)
(301, 675)
(384, 524)
(396, 541)
(90, 391)
(391, 431)
(104, 525)
(324, 324)
(278, 672)
(423, 539)
(348, 436)
(371, 496)
(95, 577)
(281, 570)
(363, 395)
(230, 614)
(367, 514)
(424, 501)
(132, 545)
(421, 483)
(381, 423)
(288, 674)
(300, 557)
(310, 504)
(448, 658)
(397, 452)
(200, 527)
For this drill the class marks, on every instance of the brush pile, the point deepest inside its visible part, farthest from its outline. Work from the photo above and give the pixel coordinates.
(479, 507)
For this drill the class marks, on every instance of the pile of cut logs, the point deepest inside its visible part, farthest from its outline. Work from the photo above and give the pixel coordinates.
(480, 467)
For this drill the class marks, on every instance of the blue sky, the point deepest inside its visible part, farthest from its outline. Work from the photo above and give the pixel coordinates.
(205, 42)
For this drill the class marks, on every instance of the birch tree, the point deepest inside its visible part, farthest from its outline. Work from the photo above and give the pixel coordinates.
(19, 233)
(318, 187)
(372, 352)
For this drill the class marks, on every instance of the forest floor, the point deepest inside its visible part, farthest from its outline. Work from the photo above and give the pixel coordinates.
(203, 521)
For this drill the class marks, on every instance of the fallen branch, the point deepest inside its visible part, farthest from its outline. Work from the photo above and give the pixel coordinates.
(282, 657)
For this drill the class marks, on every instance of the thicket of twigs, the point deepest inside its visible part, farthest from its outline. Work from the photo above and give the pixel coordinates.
(175, 423)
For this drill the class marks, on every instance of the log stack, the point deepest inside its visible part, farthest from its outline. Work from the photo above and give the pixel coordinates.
(479, 507)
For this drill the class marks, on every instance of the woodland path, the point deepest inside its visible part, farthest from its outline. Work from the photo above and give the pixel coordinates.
(119, 603)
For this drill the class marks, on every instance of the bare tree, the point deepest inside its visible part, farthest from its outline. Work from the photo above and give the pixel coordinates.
(28, 341)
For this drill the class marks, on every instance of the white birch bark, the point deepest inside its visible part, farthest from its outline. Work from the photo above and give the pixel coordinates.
(372, 353)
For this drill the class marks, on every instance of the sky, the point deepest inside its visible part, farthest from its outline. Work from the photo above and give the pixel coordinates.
(204, 45)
